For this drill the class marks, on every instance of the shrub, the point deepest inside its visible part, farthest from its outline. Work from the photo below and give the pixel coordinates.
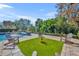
(75, 36)
(43, 42)
(78, 34)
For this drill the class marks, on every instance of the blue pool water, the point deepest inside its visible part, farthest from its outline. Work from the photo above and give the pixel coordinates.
(2, 37)
(6, 36)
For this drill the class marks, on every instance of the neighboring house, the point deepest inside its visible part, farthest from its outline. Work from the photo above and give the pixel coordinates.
(21, 25)
(8, 25)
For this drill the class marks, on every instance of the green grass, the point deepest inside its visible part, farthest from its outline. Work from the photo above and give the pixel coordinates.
(50, 48)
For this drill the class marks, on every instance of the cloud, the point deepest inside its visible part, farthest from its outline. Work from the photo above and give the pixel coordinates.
(5, 6)
(25, 17)
(13, 17)
(2, 15)
(32, 19)
(11, 14)
(41, 9)
(49, 14)
(7, 16)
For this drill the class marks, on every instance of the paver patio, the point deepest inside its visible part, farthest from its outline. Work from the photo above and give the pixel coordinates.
(68, 49)
(16, 51)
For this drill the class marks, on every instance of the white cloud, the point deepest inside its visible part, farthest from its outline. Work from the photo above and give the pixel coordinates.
(7, 16)
(25, 17)
(5, 6)
(32, 19)
(41, 9)
(2, 15)
(51, 14)
(13, 17)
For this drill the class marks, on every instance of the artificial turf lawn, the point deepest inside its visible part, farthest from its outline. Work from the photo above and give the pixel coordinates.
(48, 48)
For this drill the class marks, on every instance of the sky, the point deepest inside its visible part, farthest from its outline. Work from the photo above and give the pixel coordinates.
(31, 11)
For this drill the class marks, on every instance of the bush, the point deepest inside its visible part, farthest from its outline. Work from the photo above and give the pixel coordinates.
(43, 42)
(8, 30)
(78, 34)
(75, 36)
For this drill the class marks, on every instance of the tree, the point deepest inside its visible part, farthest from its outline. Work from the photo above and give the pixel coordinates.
(61, 21)
(32, 28)
(69, 11)
(22, 24)
(38, 27)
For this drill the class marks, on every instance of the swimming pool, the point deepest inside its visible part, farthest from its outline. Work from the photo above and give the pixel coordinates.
(6, 36)
(2, 37)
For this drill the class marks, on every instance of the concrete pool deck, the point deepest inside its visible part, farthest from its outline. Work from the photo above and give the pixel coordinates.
(16, 51)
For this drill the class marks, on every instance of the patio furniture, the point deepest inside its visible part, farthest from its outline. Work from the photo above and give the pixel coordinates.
(16, 38)
(10, 44)
(7, 45)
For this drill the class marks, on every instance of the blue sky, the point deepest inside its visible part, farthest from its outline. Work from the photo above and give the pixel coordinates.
(31, 11)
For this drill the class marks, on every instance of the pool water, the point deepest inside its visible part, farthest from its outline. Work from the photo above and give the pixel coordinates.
(2, 37)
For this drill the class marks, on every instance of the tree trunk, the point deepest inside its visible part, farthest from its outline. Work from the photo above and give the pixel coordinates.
(65, 38)
(60, 37)
(40, 36)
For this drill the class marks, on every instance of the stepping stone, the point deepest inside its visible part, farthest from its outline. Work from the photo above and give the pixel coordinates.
(34, 53)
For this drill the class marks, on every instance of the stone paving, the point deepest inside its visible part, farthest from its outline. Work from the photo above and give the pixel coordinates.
(16, 51)
(68, 49)
(9, 52)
